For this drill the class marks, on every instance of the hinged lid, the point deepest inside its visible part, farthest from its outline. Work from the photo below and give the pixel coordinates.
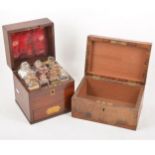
(28, 41)
(117, 59)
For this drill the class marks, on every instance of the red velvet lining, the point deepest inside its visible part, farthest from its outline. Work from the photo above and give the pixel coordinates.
(29, 43)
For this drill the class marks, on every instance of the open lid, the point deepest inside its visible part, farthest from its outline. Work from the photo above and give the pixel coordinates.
(117, 59)
(28, 41)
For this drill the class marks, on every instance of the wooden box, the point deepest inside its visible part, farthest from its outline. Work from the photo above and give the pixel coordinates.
(112, 89)
(41, 103)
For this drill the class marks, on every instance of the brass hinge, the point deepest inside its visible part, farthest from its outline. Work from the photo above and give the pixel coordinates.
(96, 77)
(118, 42)
(132, 83)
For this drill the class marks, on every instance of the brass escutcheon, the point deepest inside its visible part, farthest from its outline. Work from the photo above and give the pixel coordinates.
(52, 91)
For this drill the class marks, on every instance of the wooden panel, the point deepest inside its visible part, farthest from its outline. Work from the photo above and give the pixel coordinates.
(68, 93)
(117, 59)
(22, 97)
(119, 116)
(27, 24)
(49, 111)
(53, 105)
(110, 111)
(42, 97)
(110, 92)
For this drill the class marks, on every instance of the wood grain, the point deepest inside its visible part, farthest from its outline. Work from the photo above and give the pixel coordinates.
(35, 104)
(111, 90)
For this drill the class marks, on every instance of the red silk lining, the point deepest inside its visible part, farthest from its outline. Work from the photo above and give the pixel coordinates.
(29, 43)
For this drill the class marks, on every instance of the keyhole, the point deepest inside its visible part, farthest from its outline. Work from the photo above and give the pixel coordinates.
(103, 109)
(52, 92)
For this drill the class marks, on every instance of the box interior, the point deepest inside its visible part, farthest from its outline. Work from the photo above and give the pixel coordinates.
(41, 88)
(29, 45)
(110, 91)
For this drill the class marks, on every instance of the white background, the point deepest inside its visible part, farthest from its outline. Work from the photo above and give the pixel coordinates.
(74, 20)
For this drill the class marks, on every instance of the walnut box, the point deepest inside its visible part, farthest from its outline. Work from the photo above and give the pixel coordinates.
(41, 103)
(112, 89)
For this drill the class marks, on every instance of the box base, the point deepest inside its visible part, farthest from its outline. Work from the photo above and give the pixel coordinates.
(33, 122)
(131, 127)
(40, 104)
(108, 101)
